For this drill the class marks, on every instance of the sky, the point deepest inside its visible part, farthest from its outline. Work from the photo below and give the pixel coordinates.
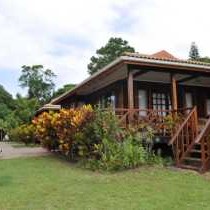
(63, 34)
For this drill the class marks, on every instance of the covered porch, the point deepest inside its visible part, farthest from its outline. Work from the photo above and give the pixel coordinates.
(170, 95)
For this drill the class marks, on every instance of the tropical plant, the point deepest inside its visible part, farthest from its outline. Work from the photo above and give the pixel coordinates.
(24, 133)
(61, 130)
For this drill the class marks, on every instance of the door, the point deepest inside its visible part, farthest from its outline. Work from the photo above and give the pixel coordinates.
(188, 100)
(161, 101)
(143, 102)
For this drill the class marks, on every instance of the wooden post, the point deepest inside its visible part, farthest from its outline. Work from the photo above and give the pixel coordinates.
(174, 93)
(130, 90)
(130, 96)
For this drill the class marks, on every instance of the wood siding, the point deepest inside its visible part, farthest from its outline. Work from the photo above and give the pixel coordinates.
(120, 90)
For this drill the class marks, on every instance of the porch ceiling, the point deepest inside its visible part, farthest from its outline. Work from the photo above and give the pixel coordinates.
(165, 77)
(154, 76)
(198, 81)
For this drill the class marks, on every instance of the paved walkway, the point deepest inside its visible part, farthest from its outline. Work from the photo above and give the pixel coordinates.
(9, 152)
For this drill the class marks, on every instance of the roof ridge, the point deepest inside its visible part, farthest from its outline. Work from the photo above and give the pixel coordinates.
(177, 60)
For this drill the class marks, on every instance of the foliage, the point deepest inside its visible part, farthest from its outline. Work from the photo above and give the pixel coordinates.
(6, 98)
(194, 53)
(45, 130)
(116, 148)
(61, 130)
(171, 121)
(108, 146)
(14, 112)
(204, 59)
(62, 90)
(24, 133)
(118, 155)
(38, 81)
(7, 104)
(11, 122)
(96, 137)
(105, 55)
(25, 109)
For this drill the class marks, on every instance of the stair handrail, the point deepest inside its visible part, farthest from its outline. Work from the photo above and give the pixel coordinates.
(205, 131)
(194, 110)
(204, 139)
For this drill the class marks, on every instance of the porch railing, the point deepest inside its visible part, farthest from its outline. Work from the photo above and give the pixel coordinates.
(163, 122)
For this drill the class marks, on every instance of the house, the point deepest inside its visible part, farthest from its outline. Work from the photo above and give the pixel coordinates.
(148, 88)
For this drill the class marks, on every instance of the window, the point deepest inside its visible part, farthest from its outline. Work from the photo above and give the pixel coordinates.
(108, 100)
(161, 101)
(142, 98)
(188, 100)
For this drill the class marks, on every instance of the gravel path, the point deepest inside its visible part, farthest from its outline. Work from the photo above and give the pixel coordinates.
(9, 152)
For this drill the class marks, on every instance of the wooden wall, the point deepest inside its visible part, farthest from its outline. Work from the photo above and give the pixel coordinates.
(200, 94)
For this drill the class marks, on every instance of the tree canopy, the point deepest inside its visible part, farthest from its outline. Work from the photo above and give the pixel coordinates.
(106, 54)
(194, 53)
(62, 90)
(6, 98)
(204, 59)
(25, 109)
(7, 103)
(39, 82)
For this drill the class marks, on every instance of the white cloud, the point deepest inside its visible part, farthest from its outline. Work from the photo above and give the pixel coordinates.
(64, 34)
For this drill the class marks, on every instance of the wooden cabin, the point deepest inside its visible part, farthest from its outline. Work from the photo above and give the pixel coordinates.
(148, 88)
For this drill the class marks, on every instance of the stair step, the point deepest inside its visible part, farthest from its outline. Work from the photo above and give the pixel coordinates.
(195, 151)
(193, 159)
(190, 167)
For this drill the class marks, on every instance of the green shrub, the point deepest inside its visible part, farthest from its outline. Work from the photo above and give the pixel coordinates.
(119, 155)
(103, 125)
(110, 147)
(24, 133)
(96, 137)
(62, 130)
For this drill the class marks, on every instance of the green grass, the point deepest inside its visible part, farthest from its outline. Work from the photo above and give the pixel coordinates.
(48, 183)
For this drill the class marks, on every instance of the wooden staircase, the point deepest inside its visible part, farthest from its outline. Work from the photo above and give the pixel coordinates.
(191, 143)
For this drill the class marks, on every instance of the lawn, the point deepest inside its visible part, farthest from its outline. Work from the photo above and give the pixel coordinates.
(48, 183)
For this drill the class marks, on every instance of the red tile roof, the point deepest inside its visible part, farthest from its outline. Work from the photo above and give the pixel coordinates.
(165, 56)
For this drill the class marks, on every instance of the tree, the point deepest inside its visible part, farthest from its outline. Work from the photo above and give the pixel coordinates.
(7, 103)
(6, 98)
(38, 81)
(25, 109)
(204, 59)
(113, 49)
(194, 53)
(62, 90)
